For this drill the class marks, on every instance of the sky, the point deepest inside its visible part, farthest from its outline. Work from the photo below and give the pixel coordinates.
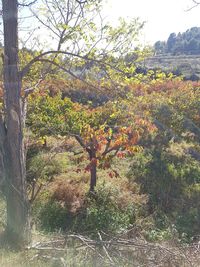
(162, 17)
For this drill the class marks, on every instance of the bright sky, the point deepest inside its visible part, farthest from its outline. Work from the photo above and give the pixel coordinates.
(162, 16)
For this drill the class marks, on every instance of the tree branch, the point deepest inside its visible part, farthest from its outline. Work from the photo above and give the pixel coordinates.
(68, 71)
(26, 69)
(196, 3)
(80, 141)
(28, 4)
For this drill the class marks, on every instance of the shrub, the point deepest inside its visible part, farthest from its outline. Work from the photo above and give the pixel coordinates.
(41, 170)
(110, 209)
(44, 166)
(106, 211)
(170, 176)
(70, 193)
(52, 216)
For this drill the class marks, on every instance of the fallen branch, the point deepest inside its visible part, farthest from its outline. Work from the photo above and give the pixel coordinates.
(122, 249)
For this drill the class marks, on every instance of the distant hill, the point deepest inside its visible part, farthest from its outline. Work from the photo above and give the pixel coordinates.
(179, 54)
(186, 43)
(186, 65)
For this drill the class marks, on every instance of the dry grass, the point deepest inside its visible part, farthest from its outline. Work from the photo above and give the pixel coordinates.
(71, 193)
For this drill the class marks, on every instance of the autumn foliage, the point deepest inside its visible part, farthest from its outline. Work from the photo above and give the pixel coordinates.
(137, 129)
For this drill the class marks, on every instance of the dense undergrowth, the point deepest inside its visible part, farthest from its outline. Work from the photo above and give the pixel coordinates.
(154, 185)
(149, 182)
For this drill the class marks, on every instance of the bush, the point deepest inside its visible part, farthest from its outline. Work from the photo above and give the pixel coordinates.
(44, 166)
(41, 170)
(52, 216)
(170, 177)
(109, 210)
(188, 217)
(104, 211)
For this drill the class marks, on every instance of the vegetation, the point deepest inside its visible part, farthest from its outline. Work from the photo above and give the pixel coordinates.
(149, 189)
(70, 26)
(187, 43)
(151, 183)
(104, 155)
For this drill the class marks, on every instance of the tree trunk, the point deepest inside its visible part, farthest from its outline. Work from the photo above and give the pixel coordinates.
(2, 154)
(93, 171)
(18, 230)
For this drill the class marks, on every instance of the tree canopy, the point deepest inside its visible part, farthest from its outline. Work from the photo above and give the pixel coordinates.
(187, 43)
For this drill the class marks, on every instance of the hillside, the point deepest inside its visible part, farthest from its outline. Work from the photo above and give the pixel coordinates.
(187, 65)
(180, 53)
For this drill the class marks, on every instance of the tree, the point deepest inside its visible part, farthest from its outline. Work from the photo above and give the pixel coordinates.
(171, 42)
(68, 25)
(182, 43)
(160, 47)
(104, 132)
(193, 46)
(12, 146)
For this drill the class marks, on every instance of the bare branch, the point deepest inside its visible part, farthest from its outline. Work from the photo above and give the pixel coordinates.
(27, 4)
(69, 72)
(81, 2)
(196, 3)
(26, 69)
